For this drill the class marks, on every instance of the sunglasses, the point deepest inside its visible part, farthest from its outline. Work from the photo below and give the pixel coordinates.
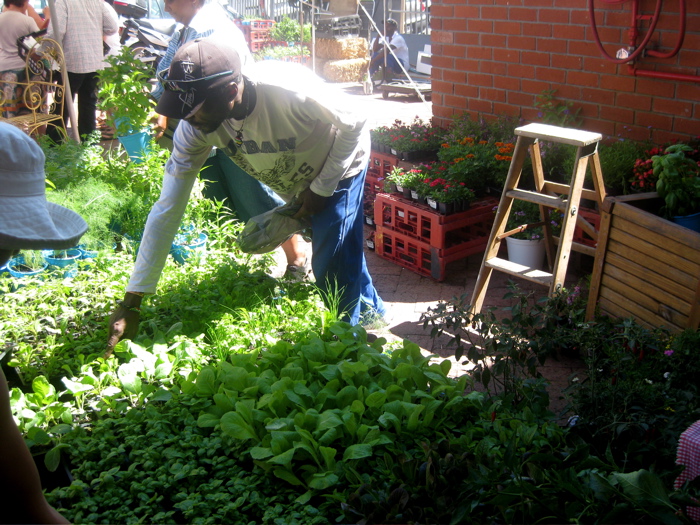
(185, 86)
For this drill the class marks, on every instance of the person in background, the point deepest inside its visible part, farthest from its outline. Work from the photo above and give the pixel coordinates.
(285, 127)
(27, 221)
(396, 42)
(227, 182)
(82, 25)
(14, 23)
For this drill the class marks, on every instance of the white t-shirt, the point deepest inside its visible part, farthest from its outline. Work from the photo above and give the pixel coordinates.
(13, 25)
(401, 50)
(302, 132)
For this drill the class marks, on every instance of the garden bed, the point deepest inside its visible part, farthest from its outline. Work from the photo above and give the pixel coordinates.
(646, 267)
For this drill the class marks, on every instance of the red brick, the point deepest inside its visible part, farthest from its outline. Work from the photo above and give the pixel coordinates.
(476, 79)
(441, 61)
(454, 51)
(591, 111)
(548, 74)
(505, 109)
(481, 106)
(611, 37)
(493, 41)
(465, 90)
(511, 3)
(466, 38)
(617, 114)
(580, 18)
(579, 78)
(569, 32)
(630, 131)
(479, 26)
(553, 16)
(656, 87)
(540, 30)
(523, 43)
(654, 120)
(551, 45)
(533, 86)
(507, 28)
(688, 91)
(599, 65)
(696, 113)
(456, 102)
(633, 101)
(494, 13)
(664, 137)
(462, 11)
(618, 18)
(618, 82)
(467, 65)
(456, 77)
(454, 24)
(524, 100)
(586, 49)
(686, 126)
(506, 55)
(443, 37)
(534, 58)
(441, 86)
(530, 115)
(602, 97)
(438, 11)
(524, 14)
(673, 107)
(479, 53)
(567, 62)
(521, 71)
(493, 68)
(599, 126)
(508, 83)
(494, 95)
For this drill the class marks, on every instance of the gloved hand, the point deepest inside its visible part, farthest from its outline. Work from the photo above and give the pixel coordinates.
(124, 321)
(311, 204)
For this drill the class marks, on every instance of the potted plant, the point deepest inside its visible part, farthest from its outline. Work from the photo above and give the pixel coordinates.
(678, 183)
(445, 195)
(29, 263)
(525, 247)
(124, 94)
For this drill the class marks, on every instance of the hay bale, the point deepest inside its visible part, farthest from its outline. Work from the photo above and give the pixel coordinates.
(351, 70)
(342, 49)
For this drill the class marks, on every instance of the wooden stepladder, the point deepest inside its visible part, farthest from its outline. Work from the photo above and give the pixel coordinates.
(548, 195)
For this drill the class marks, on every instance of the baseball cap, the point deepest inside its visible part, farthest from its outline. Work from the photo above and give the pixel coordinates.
(198, 66)
(27, 220)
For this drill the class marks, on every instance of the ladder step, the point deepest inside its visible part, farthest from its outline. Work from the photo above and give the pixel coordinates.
(538, 198)
(575, 137)
(518, 270)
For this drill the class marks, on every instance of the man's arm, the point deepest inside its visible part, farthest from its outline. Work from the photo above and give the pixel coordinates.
(109, 24)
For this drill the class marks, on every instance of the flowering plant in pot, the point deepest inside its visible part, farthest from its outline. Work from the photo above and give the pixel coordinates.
(480, 164)
(678, 181)
(446, 195)
(525, 247)
(409, 141)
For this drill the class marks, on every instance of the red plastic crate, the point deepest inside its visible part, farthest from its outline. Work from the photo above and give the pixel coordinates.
(451, 233)
(418, 256)
(261, 24)
(383, 162)
(592, 216)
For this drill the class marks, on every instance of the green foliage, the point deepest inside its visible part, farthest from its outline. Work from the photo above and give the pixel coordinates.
(638, 394)
(124, 92)
(555, 112)
(524, 213)
(409, 137)
(289, 30)
(678, 181)
(282, 52)
(479, 164)
(499, 129)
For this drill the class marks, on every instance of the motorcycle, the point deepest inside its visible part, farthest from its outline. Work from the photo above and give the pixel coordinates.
(148, 39)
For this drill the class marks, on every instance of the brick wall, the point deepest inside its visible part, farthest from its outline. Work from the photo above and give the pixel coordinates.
(493, 57)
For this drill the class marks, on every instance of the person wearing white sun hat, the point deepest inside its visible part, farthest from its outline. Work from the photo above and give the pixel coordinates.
(27, 222)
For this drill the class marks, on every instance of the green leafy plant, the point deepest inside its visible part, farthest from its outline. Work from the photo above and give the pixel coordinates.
(525, 213)
(409, 137)
(477, 163)
(124, 92)
(555, 112)
(289, 30)
(678, 181)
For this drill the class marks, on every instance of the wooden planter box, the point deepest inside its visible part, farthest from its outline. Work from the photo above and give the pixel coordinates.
(646, 267)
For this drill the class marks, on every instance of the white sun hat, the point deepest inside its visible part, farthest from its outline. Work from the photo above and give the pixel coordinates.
(27, 220)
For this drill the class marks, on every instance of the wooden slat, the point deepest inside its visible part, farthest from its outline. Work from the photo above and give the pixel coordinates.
(664, 228)
(599, 262)
(636, 311)
(562, 189)
(575, 137)
(518, 270)
(614, 310)
(653, 278)
(634, 249)
(538, 198)
(675, 312)
(655, 241)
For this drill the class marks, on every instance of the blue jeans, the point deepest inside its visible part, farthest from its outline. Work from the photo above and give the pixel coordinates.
(391, 63)
(338, 259)
(245, 195)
